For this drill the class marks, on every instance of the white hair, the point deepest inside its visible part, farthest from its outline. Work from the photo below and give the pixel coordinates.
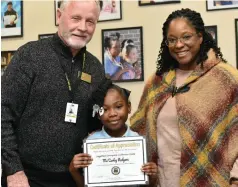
(63, 3)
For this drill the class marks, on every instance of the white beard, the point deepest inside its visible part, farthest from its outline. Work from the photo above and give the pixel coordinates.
(76, 44)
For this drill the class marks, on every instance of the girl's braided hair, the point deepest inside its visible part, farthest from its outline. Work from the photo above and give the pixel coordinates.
(99, 94)
(97, 98)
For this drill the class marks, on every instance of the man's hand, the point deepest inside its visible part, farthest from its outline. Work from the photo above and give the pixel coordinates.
(18, 179)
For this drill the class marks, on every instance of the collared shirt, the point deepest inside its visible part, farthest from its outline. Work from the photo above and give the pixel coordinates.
(103, 134)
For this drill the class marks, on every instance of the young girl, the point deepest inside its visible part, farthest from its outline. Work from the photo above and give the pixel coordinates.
(129, 55)
(113, 114)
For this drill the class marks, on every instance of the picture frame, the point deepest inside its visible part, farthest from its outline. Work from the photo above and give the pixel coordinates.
(156, 2)
(56, 6)
(12, 19)
(111, 10)
(221, 5)
(122, 54)
(6, 57)
(43, 36)
(212, 29)
(236, 35)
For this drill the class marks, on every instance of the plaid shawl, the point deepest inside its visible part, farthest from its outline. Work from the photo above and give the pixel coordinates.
(207, 118)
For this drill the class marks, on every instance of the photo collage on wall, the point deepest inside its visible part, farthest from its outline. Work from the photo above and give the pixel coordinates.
(122, 52)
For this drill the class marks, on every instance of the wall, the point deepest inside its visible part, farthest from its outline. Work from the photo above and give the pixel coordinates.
(39, 19)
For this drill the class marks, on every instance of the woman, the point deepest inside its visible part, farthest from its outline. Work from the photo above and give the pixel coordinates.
(189, 108)
(112, 60)
(130, 61)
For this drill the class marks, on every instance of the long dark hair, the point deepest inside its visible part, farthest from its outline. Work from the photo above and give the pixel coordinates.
(108, 40)
(165, 61)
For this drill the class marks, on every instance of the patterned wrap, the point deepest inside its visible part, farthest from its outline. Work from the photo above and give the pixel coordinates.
(207, 119)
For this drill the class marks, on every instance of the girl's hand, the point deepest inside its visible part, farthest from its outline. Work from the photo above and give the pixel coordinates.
(80, 160)
(150, 168)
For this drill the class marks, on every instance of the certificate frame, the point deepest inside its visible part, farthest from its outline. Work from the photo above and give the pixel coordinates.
(110, 10)
(7, 29)
(220, 5)
(115, 158)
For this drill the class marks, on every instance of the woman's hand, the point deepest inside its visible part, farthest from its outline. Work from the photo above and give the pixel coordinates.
(150, 168)
(80, 160)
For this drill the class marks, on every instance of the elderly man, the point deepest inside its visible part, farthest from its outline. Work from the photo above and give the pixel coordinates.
(45, 95)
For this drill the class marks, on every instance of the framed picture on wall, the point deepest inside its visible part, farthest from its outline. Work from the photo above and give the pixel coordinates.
(110, 10)
(156, 2)
(236, 33)
(221, 5)
(11, 19)
(213, 31)
(122, 52)
(56, 5)
(42, 36)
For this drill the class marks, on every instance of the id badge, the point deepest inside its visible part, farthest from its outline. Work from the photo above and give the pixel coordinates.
(86, 77)
(71, 112)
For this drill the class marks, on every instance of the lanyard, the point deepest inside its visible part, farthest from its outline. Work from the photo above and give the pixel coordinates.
(72, 87)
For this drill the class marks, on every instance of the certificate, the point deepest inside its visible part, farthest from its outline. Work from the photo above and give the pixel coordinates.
(8, 19)
(116, 161)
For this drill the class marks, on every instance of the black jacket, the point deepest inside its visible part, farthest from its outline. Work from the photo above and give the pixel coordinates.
(34, 97)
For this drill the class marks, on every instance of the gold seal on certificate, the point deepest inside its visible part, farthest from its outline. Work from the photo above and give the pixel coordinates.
(116, 161)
